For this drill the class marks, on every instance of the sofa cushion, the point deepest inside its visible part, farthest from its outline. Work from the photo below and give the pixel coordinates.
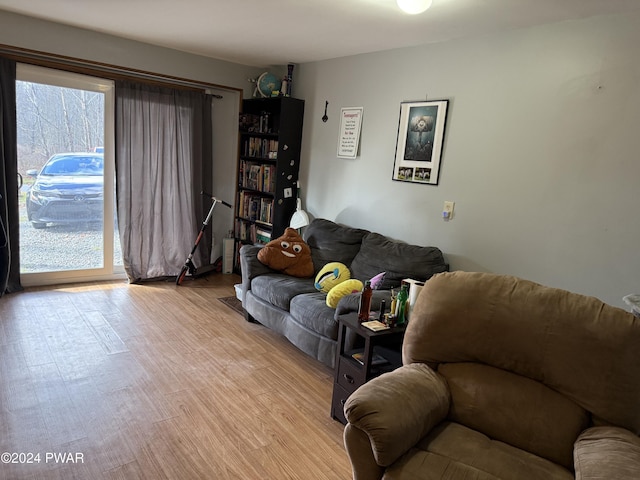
(607, 452)
(311, 311)
(452, 451)
(278, 289)
(398, 259)
(515, 410)
(332, 242)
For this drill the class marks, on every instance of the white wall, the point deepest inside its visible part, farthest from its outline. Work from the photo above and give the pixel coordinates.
(541, 156)
(30, 33)
(33, 34)
(225, 154)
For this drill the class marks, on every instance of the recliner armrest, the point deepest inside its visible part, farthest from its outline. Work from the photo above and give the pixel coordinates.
(394, 410)
(607, 452)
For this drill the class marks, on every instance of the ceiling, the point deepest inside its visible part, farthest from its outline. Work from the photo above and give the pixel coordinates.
(277, 32)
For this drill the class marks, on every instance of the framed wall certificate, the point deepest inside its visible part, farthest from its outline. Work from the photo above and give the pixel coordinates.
(349, 137)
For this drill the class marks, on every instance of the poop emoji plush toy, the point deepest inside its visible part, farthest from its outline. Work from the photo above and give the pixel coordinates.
(288, 254)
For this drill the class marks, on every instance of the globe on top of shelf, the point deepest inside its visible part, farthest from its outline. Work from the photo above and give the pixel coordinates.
(267, 85)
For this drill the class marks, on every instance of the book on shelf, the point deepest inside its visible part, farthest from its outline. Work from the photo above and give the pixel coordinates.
(257, 176)
(273, 149)
(376, 359)
(255, 208)
(236, 265)
(253, 181)
(262, 235)
(245, 231)
(264, 148)
(266, 210)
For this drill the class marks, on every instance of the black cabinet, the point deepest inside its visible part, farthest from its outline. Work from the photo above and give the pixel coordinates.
(268, 167)
(361, 355)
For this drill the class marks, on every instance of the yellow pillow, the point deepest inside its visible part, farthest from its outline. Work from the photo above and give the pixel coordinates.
(345, 288)
(331, 275)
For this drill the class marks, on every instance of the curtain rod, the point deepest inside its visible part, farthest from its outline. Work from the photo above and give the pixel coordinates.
(88, 66)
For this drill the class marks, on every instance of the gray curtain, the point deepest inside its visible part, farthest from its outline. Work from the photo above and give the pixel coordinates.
(163, 163)
(9, 216)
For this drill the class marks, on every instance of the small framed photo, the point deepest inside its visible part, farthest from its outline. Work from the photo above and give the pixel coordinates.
(419, 144)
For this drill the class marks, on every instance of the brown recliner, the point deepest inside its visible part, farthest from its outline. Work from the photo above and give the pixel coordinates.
(503, 378)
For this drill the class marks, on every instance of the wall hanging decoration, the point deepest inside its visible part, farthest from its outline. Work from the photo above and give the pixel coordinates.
(325, 117)
(349, 139)
(419, 144)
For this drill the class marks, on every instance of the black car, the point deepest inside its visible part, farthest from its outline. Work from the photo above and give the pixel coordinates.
(68, 189)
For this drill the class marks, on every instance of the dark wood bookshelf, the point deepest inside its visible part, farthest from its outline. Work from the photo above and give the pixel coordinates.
(268, 168)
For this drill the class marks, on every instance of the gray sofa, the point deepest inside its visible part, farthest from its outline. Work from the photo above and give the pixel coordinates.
(294, 308)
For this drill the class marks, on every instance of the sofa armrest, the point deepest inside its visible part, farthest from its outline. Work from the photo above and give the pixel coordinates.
(607, 452)
(347, 304)
(351, 303)
(394, 410)
(363, 463)
(251, 267)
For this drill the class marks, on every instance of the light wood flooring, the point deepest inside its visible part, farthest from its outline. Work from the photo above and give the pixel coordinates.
(158, 382)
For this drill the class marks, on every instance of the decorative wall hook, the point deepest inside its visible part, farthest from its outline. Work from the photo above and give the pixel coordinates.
(324, 117)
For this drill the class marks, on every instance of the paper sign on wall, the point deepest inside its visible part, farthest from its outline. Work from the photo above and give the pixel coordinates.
(349, 139)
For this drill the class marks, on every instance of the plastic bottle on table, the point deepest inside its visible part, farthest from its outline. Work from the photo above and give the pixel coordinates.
(365, 302)
(401, 304)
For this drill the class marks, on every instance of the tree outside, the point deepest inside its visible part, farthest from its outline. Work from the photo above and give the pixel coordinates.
(56, 120)
(53, 120)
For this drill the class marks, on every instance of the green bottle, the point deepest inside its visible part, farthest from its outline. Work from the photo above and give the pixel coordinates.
(401, 307)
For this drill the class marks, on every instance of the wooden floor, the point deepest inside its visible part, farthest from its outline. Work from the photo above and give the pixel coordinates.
(117, 381)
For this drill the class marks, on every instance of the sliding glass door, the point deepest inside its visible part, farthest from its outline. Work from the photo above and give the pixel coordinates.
(65, 125)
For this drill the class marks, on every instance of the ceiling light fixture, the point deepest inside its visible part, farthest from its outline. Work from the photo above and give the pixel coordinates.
(414, 7)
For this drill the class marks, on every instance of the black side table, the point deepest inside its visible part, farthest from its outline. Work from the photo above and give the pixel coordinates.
(378, 352)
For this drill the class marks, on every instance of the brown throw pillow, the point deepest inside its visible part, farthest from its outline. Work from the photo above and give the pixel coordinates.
(288, 254)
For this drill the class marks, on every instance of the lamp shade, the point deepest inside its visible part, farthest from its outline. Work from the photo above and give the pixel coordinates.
(299, 218)
(414, 7)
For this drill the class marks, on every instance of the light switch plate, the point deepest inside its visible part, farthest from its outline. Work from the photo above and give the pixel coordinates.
(447, 210)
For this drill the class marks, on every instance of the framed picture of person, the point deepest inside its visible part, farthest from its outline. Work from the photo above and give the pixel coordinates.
(420, 141)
